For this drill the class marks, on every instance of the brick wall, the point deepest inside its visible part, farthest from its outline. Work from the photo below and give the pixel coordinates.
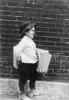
(52, 33)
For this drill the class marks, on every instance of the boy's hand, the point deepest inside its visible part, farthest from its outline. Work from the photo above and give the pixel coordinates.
(18, 58)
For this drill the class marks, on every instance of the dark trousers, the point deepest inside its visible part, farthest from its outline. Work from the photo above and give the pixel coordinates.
(27, 72)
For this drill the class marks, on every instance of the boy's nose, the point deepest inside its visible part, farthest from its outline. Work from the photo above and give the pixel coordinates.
(34, 32)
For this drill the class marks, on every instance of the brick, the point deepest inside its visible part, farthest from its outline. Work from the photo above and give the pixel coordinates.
(33, 6)
(42, 46)
(33, 14)
(47, 43)
(24, 18)
(67, 25)
(6, 31)
(61, 7)
(50, 70)
(42, 29)
(52, 20)
(4, 22)
(66, 39)
(54, 48)
(47, 34)
(66, 30)
(61, 16)
(8, 26)
(55, 30)
(64, 35)
(2, 3)
(61, 44)
(3, 8)
(50, 25)
(55, 2)
(65, 48)
(48, 6)
(42, 38)
(16, 13)
(55, 66)
(64, 71)
(5, 12)
(12, 3)
(28, 9)
(50, 34)
(66, 16)
(40, 1)
(52, 39)
(54, 76)
(1, 0)
(66, 21)
(8, 17)
(12, 0)
(60, 25)
(66, 53)
(13, 22)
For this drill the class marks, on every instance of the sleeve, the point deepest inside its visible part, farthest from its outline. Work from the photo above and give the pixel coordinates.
(19, 49)
(14, 59)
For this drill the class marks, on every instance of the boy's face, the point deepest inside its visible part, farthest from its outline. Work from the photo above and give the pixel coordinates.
(31, 33)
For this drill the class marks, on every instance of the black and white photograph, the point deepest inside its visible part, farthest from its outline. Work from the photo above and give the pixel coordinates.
(34, 49)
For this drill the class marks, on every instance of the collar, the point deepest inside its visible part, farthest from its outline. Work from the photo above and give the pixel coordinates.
(26, 37)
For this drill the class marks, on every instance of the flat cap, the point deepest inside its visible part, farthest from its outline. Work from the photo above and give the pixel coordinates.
(26, 26)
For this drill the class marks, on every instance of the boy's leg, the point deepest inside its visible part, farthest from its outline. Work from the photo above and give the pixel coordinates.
(33, 78)
(23, 76)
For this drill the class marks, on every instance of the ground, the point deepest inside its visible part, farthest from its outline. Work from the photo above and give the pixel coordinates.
(47, 91)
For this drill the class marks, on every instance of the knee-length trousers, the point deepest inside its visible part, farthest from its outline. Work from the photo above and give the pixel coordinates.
(27, 71)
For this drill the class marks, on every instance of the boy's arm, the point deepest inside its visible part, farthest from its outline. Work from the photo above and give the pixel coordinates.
(19, 50)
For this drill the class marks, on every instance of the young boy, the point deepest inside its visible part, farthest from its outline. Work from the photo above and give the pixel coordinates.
(27, 59)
